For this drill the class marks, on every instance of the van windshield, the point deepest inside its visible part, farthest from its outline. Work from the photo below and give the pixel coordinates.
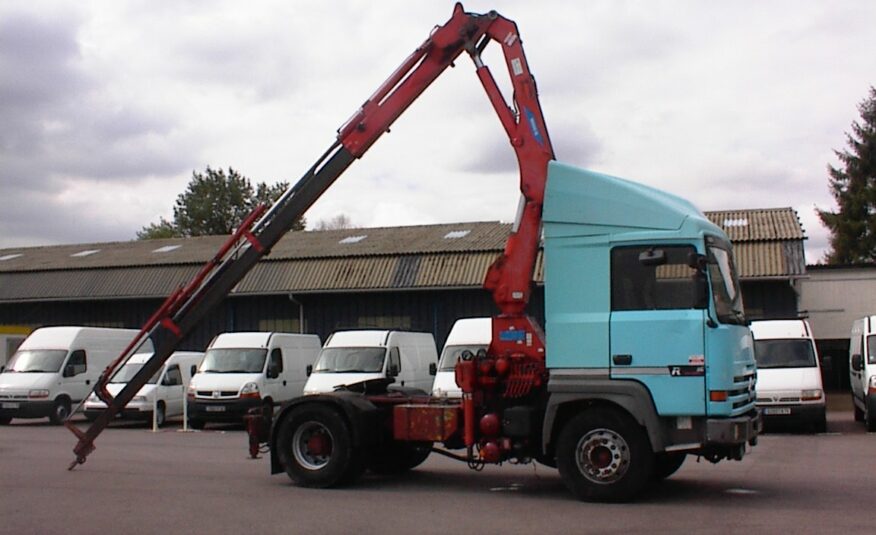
(784, 354)
(350, 360)
(234, 360)
(451, 354)
(129, 370)
(36, 361)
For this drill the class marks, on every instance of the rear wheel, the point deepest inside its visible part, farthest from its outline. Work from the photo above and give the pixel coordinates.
(397, 457)
(60, 411)
(666, 464)
(315, 447)
(859, 413)
(160, 414)
(604, 456)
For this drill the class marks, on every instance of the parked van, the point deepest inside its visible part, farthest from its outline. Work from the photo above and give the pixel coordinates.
(55, 368)
(467, 334)
(862, 370)
(789, 384)
(165, 391)
(350, 357)
(245, 370)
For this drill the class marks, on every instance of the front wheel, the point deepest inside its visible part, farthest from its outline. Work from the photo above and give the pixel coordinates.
(666, 464)
(160, 415)
(604, 455)
(315, 448)
(60, 411)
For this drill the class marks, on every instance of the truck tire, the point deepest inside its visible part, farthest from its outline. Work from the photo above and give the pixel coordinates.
(666, 464)
(60, 411)
(604, 455)
(315, 448)
(398, 457)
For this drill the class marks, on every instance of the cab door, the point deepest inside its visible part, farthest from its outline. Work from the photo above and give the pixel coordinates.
(172, 390)
(656, 325)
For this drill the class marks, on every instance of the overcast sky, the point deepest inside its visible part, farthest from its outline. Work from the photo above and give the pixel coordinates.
(108, 107)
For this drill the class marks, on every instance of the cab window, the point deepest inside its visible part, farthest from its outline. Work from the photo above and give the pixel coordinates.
(653, 278)
(173, 377)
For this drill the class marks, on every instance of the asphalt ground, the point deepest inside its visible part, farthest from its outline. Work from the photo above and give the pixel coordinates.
(138, 481)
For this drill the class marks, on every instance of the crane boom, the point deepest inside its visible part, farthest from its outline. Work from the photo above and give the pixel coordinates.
(509, 278)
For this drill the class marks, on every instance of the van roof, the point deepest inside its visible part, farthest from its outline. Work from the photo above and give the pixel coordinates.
(470, 331)
(776, 329)
(63, 337)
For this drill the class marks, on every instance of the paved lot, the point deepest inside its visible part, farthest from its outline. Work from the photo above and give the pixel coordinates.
(172, 482)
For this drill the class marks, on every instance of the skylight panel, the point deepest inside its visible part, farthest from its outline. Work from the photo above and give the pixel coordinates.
(87, 252)
(166, 249)
(456, 234)
(741, 222)
(353, 239)
(10, 256)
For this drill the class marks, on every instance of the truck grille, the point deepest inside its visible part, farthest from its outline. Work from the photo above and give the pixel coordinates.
(743, 394)
(216, 394)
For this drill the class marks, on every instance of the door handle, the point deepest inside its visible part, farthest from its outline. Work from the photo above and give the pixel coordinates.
(88, 381)
(284, 382)
(622, 360)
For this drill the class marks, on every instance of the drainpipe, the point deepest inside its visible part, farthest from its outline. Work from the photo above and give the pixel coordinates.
(300, 313)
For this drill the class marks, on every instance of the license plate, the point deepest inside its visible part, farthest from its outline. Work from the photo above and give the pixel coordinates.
(777, 410)
(7, 405)
(215, 408)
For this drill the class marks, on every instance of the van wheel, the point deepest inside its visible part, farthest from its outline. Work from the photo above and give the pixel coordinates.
(60, 411)
(160, 414)
(604, 456)
(398, 457)
(859, 414)
(5, 420)
(869, 416)
(196, 424)
(666, 464)
(315, 448)
(820, 424)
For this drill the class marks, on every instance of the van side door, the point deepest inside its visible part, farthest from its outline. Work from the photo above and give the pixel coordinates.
(856, 352)
(76, 381)
(276, 386)
(172, 391)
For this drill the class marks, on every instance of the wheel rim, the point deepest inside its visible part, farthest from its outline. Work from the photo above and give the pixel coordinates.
(61, 411)
(312, 445)
(159, 417)
(602, 456)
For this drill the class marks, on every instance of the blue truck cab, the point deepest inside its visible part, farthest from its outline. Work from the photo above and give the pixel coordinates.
(644, 318)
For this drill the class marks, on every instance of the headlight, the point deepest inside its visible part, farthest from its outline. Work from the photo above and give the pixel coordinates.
(138, 398)
(811, 395)
(250, 390)
(873, 381)
(38, 394)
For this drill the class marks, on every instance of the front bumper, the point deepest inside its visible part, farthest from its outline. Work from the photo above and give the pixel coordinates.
(26, 408)
(734, 431)
(223, 410)
(809, 413)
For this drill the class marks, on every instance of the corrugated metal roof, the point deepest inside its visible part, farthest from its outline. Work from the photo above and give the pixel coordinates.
(759, 224)
(421, 257)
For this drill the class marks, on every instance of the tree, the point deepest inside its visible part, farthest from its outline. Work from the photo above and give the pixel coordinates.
(340, 221)
(215, 203)
(853, 185)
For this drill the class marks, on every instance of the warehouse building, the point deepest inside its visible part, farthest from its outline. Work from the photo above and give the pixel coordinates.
(419, 278)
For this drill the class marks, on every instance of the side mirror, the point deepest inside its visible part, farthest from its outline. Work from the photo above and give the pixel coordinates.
(273, 372)
(392, 371)
(433, 368)
(857, 362)
(309, 369)
(697, 261)
(652, 257)
(194, 369)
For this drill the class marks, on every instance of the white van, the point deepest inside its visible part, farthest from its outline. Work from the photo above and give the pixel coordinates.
(354, 356)
(862, 370)
(789, 384)
(245, 370)
(55, 368)
(165, 391)
(467, 334)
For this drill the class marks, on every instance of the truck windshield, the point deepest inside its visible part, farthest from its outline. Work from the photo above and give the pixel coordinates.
(234, 360)
(725, 286)
(451, 354)
(36, 361)
(784, 354)
(350, 360)
(129, 370)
